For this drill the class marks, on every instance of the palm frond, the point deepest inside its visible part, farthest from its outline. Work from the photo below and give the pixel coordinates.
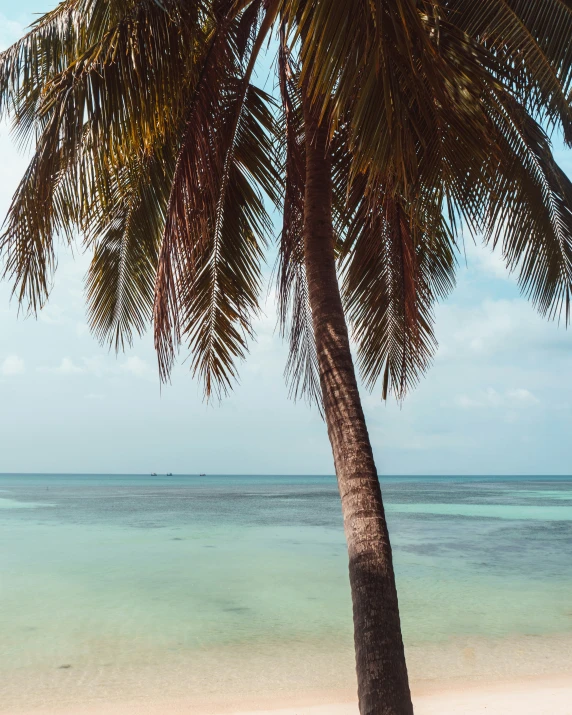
(530, 41)
(394, 271)
(439, 104)
(530, 211)
(247, 26)
(120, 98)
(130, 88)
(26, 244)
(295, 316)
(209, 276)
(127, 235)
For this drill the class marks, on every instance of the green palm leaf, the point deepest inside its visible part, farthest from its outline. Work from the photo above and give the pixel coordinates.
(118, 98)
(127, 237)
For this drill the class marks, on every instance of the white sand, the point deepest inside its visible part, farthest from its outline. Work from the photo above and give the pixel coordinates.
(536, 697)
(542, 696)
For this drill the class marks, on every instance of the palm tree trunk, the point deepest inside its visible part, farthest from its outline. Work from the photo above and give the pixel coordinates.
(383, 687)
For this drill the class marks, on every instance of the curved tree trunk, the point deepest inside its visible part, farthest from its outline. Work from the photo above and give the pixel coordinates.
(383, 687)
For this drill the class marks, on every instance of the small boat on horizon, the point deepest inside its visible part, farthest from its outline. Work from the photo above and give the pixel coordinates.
(153, 474)
(202, 475)
(169, 474)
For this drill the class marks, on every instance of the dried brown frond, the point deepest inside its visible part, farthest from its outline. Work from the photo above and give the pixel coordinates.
(209, 276)
(295, 316)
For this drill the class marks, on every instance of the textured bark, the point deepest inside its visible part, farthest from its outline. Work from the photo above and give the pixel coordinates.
(383, 687)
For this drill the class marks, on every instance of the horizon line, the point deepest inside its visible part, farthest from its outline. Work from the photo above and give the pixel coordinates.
(274, 474)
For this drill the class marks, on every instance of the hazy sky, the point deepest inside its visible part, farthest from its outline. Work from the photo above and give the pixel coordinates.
(497, 400)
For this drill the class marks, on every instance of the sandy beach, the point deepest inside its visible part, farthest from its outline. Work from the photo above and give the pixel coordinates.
(534, 696)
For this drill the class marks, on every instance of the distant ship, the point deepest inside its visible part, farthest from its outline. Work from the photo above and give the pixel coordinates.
(153, 474)
(169, 474)
(202, 475)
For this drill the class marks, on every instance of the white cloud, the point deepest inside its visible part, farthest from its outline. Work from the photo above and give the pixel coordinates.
(12, 365)
(66, 367)
(136, 366)
(98, 366)
(51, 314)
(488, 398)
(515, 399)
(488, 326)
(496, 326)
(522, 397)
(487, 261)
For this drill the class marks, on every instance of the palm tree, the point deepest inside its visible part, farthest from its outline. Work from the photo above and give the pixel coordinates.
(401, 123)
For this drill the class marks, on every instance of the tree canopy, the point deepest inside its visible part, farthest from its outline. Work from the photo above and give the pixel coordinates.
(153, 144)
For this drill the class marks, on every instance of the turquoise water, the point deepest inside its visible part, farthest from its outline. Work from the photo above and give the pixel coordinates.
(129, 584)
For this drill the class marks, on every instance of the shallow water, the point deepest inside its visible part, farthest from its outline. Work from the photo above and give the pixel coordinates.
(144, 582)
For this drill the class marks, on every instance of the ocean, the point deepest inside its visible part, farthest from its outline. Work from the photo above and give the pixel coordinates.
(122, 587)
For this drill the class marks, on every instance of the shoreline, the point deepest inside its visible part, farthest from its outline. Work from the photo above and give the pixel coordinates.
(543, 695)
(513, 676)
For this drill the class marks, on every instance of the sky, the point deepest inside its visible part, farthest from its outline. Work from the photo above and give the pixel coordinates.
(497, 400)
